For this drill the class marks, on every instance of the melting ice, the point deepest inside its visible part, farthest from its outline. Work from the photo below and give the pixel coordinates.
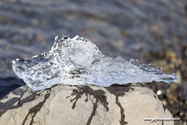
(78, 61)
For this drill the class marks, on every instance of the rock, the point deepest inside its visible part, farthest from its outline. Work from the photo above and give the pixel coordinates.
(81, 105)
(171, 55)
(163, 64)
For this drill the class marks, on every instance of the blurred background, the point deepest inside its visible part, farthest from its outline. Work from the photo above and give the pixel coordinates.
(152, 31)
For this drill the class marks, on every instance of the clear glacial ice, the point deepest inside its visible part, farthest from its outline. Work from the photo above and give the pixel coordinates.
(78, 61)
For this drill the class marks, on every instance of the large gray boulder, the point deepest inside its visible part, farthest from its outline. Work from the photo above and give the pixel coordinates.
(82, 105)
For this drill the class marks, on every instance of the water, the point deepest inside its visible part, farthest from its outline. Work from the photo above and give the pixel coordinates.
(126, 28)
(78, 61)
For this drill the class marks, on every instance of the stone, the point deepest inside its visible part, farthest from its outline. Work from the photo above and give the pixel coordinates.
(83, 105)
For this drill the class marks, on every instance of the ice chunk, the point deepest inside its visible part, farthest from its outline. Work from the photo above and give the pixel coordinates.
(78, 61)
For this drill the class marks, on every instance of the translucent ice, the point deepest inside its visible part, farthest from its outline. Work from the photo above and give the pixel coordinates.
(78, 61)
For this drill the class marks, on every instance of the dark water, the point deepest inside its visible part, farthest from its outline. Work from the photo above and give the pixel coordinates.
(131, 29)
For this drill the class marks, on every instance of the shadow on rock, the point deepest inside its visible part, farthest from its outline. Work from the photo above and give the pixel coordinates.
(120, 90)
(99, 95)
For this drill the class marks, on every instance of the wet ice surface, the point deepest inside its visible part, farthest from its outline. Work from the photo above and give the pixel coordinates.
(78, 61)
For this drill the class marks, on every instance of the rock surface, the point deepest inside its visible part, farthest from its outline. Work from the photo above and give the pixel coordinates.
(81, 105)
